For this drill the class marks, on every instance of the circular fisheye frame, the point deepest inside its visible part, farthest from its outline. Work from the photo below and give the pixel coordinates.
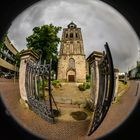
(69, 70)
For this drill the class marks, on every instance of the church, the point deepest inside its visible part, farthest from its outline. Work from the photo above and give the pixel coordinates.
(72, 61)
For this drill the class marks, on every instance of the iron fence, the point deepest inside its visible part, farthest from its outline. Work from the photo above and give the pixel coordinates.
(106, 88)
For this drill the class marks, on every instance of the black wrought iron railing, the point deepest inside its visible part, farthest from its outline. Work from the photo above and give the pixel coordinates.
(106, 89)
(36, 75)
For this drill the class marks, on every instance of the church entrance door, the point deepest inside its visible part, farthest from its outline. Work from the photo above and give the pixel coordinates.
(71, 78)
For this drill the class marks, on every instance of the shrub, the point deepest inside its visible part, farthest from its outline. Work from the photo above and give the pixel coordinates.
(55, 82)
(82, 87)
(87, 85)
(88, 78)
(45, 84)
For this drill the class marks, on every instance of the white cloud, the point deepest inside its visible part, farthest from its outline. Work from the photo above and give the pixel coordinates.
(99, 23)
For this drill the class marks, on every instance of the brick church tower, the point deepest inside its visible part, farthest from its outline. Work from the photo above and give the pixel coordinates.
(72, 62)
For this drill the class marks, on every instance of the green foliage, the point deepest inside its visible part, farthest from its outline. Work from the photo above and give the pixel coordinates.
(1, 46)
(44, 40)
(138, 75)
(55, 82)
(41, 96)
(88, 78)
(17, 59)
(87, 85)
(81, 87)
(84, 86)
(117, 100)
(45, 84)
(2, 42)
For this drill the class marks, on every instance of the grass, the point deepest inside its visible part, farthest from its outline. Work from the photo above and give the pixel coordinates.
(79, 115)
(117, 100)
(121, 86)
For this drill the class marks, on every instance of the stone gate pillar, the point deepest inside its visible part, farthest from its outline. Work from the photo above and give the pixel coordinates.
(95, 81)
(93, 61)
(26, 55)
(116, 80)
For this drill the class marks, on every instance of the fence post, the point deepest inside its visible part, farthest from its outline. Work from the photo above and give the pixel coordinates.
(49, 84)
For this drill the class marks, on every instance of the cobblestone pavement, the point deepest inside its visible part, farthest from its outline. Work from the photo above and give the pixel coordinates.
(65, 130)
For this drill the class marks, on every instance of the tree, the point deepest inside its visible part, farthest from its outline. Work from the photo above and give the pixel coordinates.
(44, 41)
(17, 59)
(2, 42)
(138, 72)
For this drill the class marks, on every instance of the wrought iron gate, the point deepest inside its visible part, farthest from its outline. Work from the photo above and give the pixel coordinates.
(35, 88)
(106, 88)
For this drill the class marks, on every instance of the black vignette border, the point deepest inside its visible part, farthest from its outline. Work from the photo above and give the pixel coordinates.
(129, 9)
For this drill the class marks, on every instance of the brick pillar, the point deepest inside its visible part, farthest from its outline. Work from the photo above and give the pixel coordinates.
(26, 55)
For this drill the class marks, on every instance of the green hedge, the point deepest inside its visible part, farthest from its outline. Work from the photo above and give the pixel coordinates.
(84, 86)
(55, 82)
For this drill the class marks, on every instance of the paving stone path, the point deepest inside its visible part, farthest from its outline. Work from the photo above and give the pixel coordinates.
(65, 130)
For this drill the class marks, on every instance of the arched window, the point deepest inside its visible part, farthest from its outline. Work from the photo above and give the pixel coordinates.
(66, 35)
(71, 63)
(71, 35)
(76, 35)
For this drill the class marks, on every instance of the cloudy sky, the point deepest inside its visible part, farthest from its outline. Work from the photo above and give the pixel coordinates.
(99, 22)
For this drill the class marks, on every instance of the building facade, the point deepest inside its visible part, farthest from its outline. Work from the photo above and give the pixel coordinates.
(72, 62)
(7, 56)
